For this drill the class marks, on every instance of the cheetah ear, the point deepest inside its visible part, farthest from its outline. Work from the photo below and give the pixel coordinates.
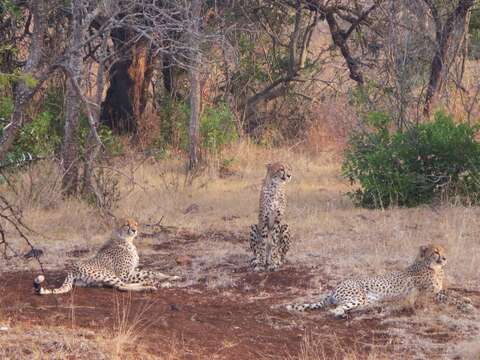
(423, 249)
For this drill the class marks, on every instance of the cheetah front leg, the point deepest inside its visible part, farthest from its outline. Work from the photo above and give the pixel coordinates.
(258, 245)
(276, 256)
(285, 240)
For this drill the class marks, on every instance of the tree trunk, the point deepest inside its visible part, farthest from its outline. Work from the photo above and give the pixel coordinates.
(195, 86)
(129, 79)
(194, 127)
(167, 72)
(141, 72)
(94, 143)
(23, 93)
(117, 109)
(444, 35)
(70, 155)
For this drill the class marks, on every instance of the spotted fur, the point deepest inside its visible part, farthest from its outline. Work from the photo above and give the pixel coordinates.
(424, 276)
(270, 253)
(115, 265)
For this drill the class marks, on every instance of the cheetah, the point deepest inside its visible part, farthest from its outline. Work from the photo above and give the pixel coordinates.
(446, 296)
(271, 255)
(115, 265)
(425, 275)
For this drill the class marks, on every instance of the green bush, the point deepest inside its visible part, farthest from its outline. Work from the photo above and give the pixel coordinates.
(6, 109)
(173, 125)
(439, 158)
(38, 138)
(111, 145)
(217, 126)
(42, 137)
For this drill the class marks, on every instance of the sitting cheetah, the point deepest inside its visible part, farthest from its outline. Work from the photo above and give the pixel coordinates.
(272, 254)
(424, 275)
(114, 265)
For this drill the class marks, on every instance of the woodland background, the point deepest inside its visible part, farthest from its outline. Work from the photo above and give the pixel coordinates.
(81, 81)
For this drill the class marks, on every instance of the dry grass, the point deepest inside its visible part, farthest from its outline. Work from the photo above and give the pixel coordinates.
(129, 326)
(313, 348)
(35, 342)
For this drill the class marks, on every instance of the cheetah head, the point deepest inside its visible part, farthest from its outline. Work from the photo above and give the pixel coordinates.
(127, 229)
(435, 254)
(278, 172)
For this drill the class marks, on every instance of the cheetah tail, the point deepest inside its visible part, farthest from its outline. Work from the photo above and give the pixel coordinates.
(323, 303)
(65, 288)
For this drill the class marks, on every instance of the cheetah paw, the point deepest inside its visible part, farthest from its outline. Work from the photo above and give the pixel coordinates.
(273, 267)
(166, 285)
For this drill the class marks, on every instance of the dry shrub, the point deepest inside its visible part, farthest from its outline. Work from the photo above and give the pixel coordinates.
(148, 127)
(38, 185)
(330, 127)
(128, 326)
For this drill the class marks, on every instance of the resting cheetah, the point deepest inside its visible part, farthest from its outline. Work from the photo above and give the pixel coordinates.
(462, 303)
(424, 275)
(272, 208)
(114, 265)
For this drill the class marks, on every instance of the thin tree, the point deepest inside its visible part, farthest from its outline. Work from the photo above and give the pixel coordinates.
(195, 86)
(444, 33)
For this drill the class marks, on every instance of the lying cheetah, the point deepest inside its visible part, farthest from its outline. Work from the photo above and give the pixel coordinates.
(462, 303)
(425, 275)
(114, 265)
(271, 255)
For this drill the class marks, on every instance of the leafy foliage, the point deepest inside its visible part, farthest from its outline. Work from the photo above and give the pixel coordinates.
(6, 79)
(217, 126)
(42, 137)
(409, 168)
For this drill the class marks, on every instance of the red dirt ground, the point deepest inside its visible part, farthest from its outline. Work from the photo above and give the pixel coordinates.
(243, 321)
(230, 324)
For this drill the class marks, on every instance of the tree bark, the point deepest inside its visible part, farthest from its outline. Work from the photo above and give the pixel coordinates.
(167, 72)
(22, 92)
(94, 143)
(195, 86)
(117, 109)
(443, 36)
(129, 79)
(70, 155)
